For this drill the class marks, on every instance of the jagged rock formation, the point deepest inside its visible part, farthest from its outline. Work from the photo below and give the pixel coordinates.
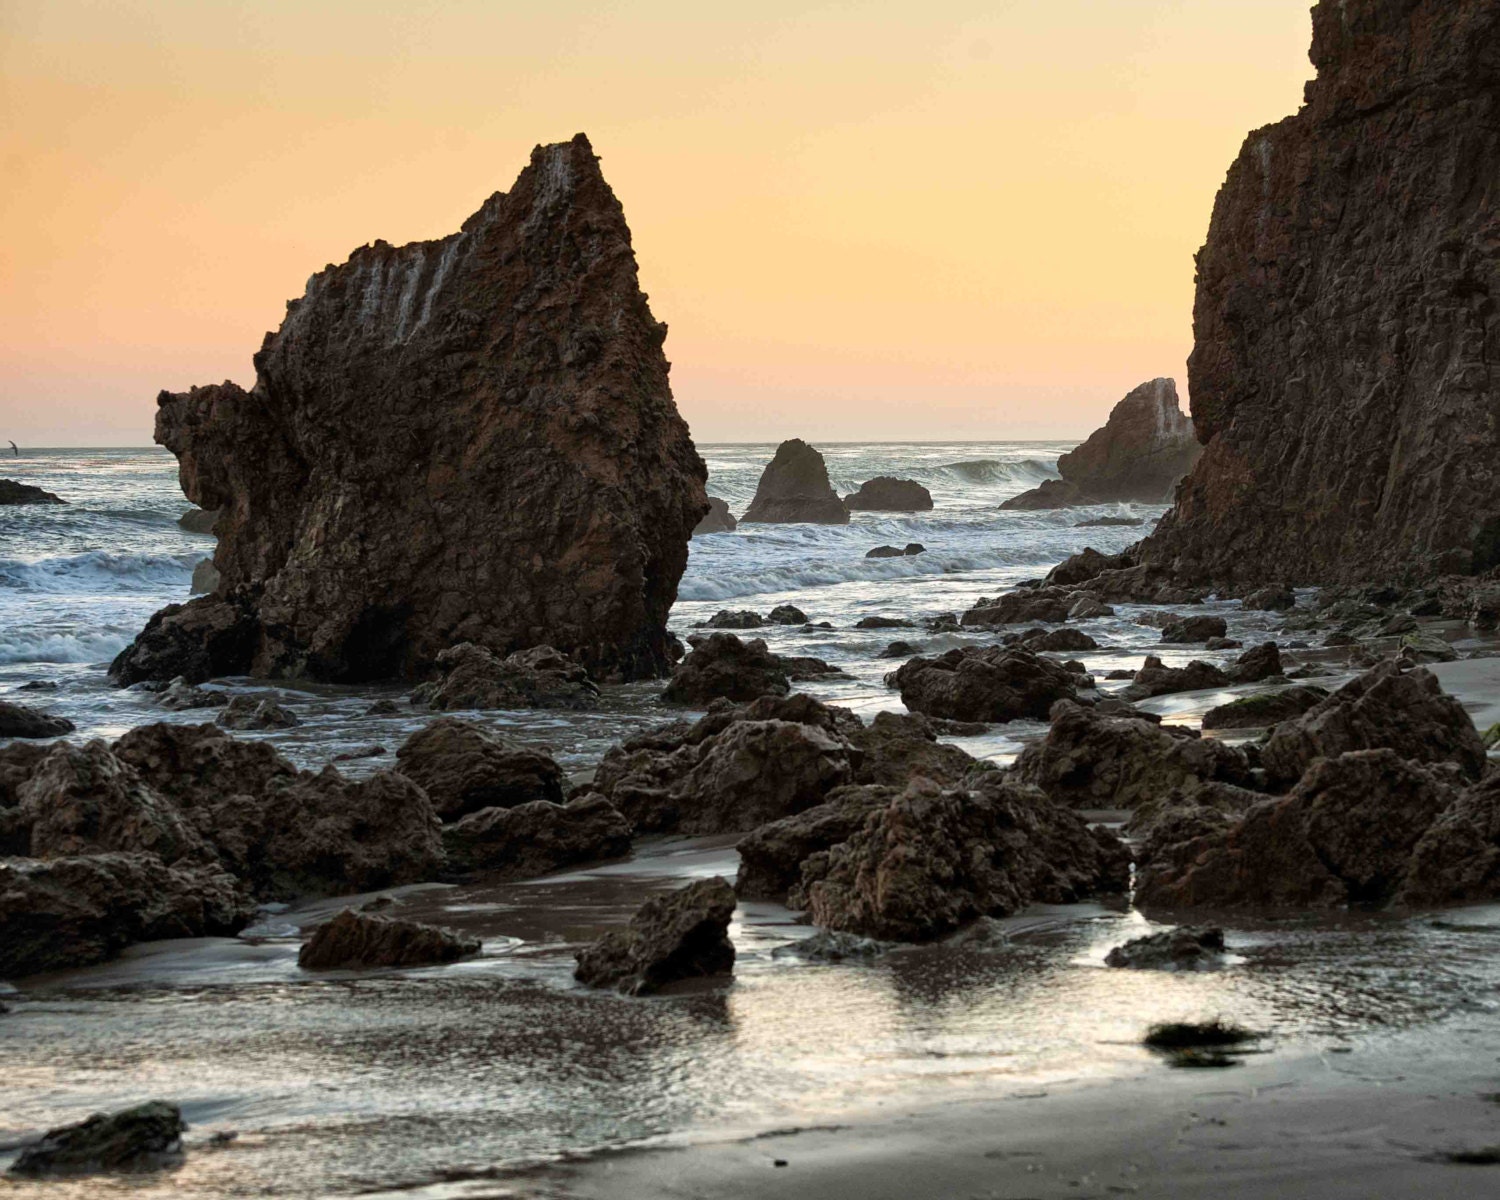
(984, 683)
(469, 676)
(464, 768)
(794, 488)
(147, 1137)
(12, 492)
(887, 494)
(465, 440)
(535, 838)
(682, 935)
(718, 520)
(1344, 376)
(1144, 448)
(356, 940)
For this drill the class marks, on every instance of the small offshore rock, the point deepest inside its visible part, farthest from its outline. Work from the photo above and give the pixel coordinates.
(199, 520)
(359, 752)
(723, 666)
(914, 548)
(357, 940)
(1170, 950)
(718, 519)
(882, 623)
(725, 619)
(787, 614)
(12, 492)
(1110, 521)
(473, 677)
(898, 650)
(147, 1137)
(383, 708)
(180, 695)
(206, 578)
(885, 494)
(990, 683)
(794, 488)
(21, 721)
(886, 552)
(681, 935)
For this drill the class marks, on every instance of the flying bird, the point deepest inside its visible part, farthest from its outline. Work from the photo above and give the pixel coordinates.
(16, 450)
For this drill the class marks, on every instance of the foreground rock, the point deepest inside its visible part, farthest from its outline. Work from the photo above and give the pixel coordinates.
(1339, 229)
(1169, 950)
(73, 912)
(682, 935)
(466, 440)
(147, 1137)
(886, 494)
(794, 488)
(1157, 679)
(721, 666)
(1144, 448)
(464, 768)
(356, 941)
(12, 492)
(470, 676)
(1265, 709)
(989, 683)
(20, 721)
(536, 838)
(718, 519)
(199, 520)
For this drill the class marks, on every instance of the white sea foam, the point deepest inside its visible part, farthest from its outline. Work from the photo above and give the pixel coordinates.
(92, 571)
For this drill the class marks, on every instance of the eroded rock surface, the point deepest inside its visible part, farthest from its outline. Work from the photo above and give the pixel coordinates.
(13, 492)
(681, 935)
(470, 676)
(536, 838)
(886, 494)
(464, 768)
(794, 488)
(984, 683)
(721, 666)
(718, 519)
(146, 1137)
(355, 940)
(22, 721)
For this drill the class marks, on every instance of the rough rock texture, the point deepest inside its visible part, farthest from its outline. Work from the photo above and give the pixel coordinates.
(12, 492)
(988, 683)
(464, 768)
(1192, 630)
(787, 614)
(208, 637)
(722, 666)
(1410, 713)
(1144, 448)
(1457, 860)
(464, 440)
(253, 712)
(718, 520)
(727, 618)
(682, 935)
(1049, 605)
(1103, 762)
(469, 676)
(354, 940)
(1169, 950)
(20, 721)
(535, 838)
(144, 1138)
(1344, 376)
(886, 494)
(199, 520)
(771, 857)
(71, 912)
(1265, 708)
(794, 488)
(931, 860)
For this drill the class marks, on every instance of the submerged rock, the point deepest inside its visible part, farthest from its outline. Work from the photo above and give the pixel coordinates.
(1170, 950)
(728, 619)
(886, 494)
(21, 721)
(681, 935)
(718, 519)
(355, 940)
(827, 946)
(464, 768)
(536, 838)
(252, 712)
(990, 683)
(147, 1137)
(786, 614)
(464, 440)
(12, 492)
(794, 488)
(469, 676)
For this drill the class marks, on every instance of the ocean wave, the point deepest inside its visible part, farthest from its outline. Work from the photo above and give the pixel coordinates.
(993, 470)
(26, 646)
(100, 571)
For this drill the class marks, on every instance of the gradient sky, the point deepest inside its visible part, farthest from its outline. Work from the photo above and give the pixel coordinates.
(863, 220)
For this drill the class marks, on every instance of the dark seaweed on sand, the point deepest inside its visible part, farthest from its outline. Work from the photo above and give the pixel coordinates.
(1189, 1035)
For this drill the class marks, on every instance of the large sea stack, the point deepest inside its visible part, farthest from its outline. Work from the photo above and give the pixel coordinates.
(794, 489)
(1346, 373)
(1144, 448)
(465, 440)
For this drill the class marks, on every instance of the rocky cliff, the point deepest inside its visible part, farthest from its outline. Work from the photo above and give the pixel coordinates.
(464, 440)
(1144, 448)
(1346, 372)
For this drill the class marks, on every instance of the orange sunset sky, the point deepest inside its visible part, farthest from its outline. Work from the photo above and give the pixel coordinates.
(914, 220)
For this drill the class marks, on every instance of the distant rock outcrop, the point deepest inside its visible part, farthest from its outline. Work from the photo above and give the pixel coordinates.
(1144, 448)
(12, 492)
(465, 440)
(718, 520)
(886, 494)
(1344, 377)
(794, 489)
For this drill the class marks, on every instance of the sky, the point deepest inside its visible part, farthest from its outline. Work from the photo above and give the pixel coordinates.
(926, 220)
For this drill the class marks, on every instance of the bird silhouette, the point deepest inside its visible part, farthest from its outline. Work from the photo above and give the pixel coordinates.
(16, 450)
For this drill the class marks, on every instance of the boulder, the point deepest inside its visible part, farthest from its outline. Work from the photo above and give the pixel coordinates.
(726, 619)
(180, 696)
(886, 552)
(536, 838)
(1157, 679)
(1087, 608)
(146, 1137)
(21, 721)
(681, 935)
(206, 578)
(1457, 859)
(1257, 663)
(209, 637)
(1426, 648)
(1092, 761)
(252, 712)
(1172, 949)
(717, 520)
(1064, 641)
(199, 520)
(1265, 709)
(828, 947)
(771, 856)
(786, 614)
(898, 649)
(912, 549)
(1406, 711)
(1194, 629)
(464, 768)
(885, 494)
(357, 941)
(883, 623)
(1087, 564)
(794, 489)
(73, 912)
(1276, 598)
(722, 666)
(12, 492)
(469, 676)
(1144, 448)
(471, 439)
(1106, 522)
(989, 683)
(895, 747)
(930, 860)
(1049, 606)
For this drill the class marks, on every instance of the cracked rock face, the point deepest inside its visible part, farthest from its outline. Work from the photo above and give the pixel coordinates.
(1344, 378)
(464, 440)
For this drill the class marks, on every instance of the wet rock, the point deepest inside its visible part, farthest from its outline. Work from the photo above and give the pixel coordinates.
(912, 549)
(1257, 663)
(931, 860)
(20, 721)
(882, 623)
(801, 667)
(771, 856)
(1222, 643)
(1407, 712)
(1143, 449)
(990, 683)
(1120, 673)
(1194, 629)
(1484, 608)
(73, 912)
(383, 708)
(722, 666)
(199, 520)
(886, 552)
(895, 747)
(1334, 640)
(467, 440)
(787, 614)
(725, 619)
(1194, 809)
(886, 494)
(536, 838)
(1172, 949)
(464, 768)
(147, 1137)
(180, 696)
(251, 712)
(12, 492)
(1086, 565)
(38, 685)
(206, 578)
(1457, 860)
(1058, 640)
(1426, 648)
(718, 519)
(1047, 606)
(472, 677)
(1087, 608)
(1097, 522)
(207, 638)
(1264, 709)
(1092, 761)
(1155, 678)
(794, 488)
(681, 935)
(357, 941)
(826, 946)
(1276, 598)
(359, 752)
(898, 650)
